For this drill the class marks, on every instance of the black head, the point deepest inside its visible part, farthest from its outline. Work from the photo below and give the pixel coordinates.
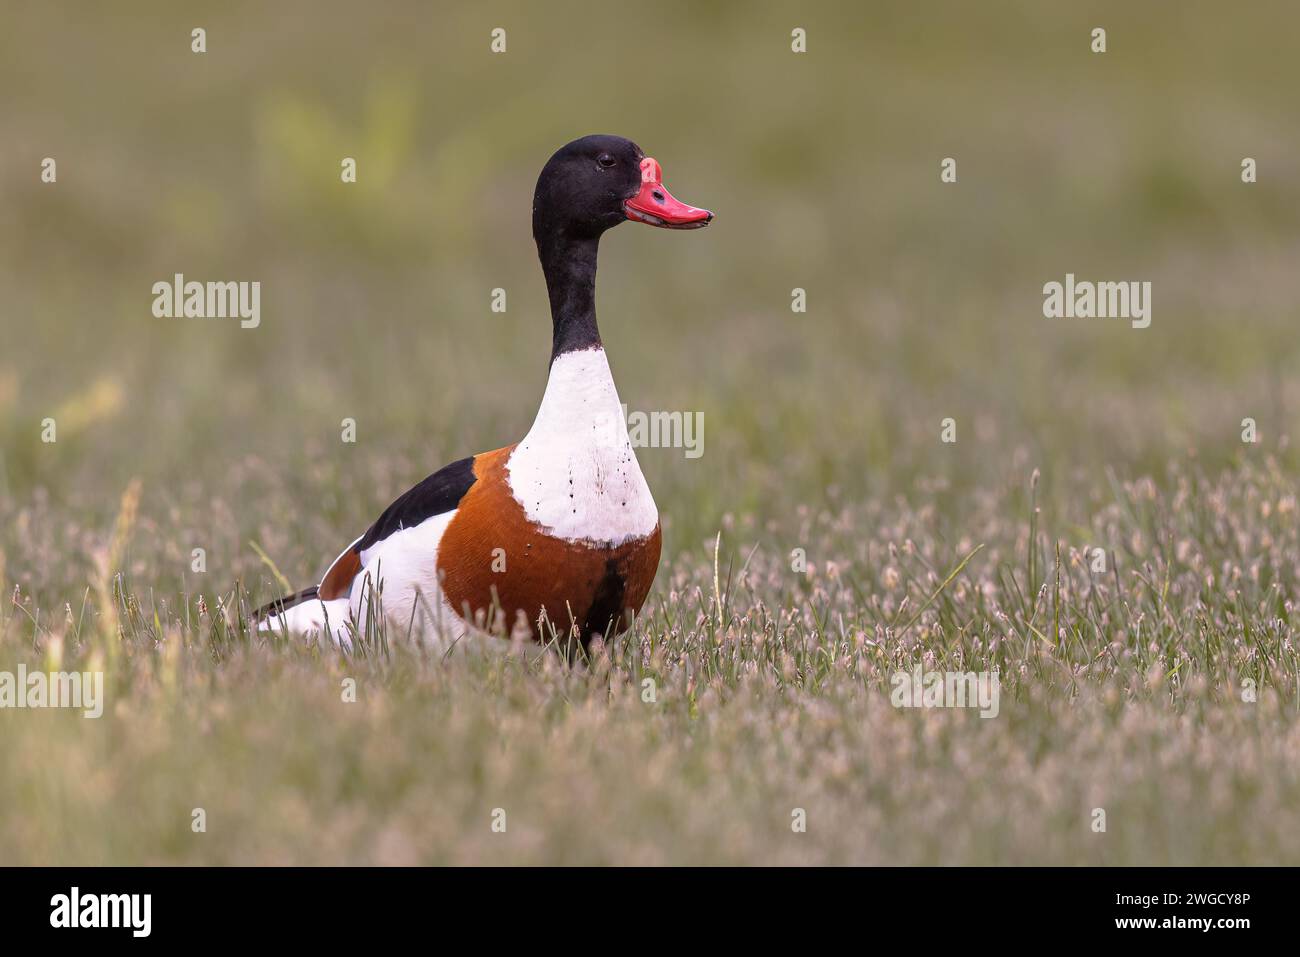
(585, 188)
(582, 188)
(599, 181)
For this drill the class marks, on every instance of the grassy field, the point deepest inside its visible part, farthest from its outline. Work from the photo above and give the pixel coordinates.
(1126, 690)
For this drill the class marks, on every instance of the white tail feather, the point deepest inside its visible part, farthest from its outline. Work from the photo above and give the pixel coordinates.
(314, 617)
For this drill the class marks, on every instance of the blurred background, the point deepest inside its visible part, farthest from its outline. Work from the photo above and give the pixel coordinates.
(821, 429)
(924, 299)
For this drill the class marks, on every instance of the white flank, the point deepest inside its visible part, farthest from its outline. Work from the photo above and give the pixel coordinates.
(575, 472)
(406, 565)
(313, 618)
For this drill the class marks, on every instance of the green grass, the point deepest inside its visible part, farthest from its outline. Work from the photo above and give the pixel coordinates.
(771, 692)
(1121, 690)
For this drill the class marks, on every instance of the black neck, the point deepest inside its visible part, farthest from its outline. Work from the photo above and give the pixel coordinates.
(570, 268)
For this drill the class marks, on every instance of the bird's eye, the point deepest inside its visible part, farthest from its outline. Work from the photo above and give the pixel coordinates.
(605, 160)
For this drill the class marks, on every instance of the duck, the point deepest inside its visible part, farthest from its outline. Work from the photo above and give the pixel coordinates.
(558, 534)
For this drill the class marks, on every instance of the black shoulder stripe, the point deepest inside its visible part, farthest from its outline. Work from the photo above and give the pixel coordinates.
(440, 492)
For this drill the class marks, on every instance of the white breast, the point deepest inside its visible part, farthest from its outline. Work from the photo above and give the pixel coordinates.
(575, 472)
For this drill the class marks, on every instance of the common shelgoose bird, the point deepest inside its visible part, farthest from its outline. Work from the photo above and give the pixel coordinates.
(560, 527)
